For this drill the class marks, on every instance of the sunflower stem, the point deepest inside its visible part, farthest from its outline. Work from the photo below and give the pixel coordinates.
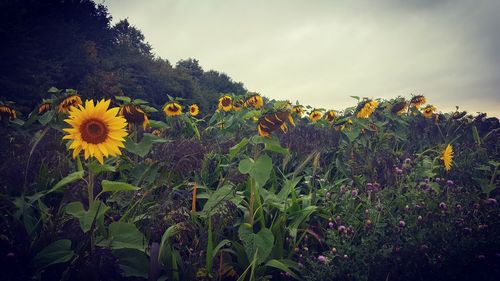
(90, 187)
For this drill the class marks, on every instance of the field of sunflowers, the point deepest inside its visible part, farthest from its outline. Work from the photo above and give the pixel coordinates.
(257, 189)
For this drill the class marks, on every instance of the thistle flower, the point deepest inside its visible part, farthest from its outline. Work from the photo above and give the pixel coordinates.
(7, 112)
(173, 109)
(96, 130)
(367, 109)
(322, 259)
(402, 223)
(417, 101)
(68, 102)
(225, 103)
(447, 157)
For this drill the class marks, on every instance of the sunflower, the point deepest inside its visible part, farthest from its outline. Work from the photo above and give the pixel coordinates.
(341, 125)
(44, 107)
(272, 121)
(330, 116)
(156, 132)
(447, 157)
(417, 101)
(134, 115)
(237, 105)
(7, 112)
(96, 130)
(66, 104)
(256, 101)
(367, 109)
(172, 109)
(299, 110)
(225, 103)
(429, 111)
(315, 115)
(399, 107)
(194, 110)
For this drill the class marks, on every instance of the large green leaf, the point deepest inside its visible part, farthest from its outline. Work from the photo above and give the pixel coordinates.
(86, 218)
(143, 147)
(259, 170)
(224, 193)
(263, 241)
(56, 252)
(113, 186)
(123, 235)
(233, 151)
(282, 266)
(132, 262)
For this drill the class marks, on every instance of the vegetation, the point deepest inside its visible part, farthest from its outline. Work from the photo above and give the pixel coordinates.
(174, 173)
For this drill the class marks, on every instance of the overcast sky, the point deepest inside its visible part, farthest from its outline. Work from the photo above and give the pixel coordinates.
(322, 52)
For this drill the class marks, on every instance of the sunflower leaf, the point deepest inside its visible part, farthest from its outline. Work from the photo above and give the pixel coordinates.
(114, 186)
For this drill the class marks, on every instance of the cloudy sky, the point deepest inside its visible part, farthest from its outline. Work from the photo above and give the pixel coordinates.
(322, 52)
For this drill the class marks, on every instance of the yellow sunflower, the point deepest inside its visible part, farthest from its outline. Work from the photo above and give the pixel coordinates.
(399, 108)
(44, 107)
(96, 130)
(299, 110)
(68, 102)
(256, 101)
(429, 111)
(173, 109)
(225, 103)
(7, 112)
(272, 121)
(330, 116)
(447, 157)
(194, 110)
(367, 109)
(156, 132)
(134, 115)
(315, 115)
(237, 105)
(417, 101)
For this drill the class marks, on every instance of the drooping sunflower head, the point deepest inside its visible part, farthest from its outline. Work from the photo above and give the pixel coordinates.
(173, 109)
(417, 101)
(238, 105)
(330, 116)
(134, 115)
(194, 110)
(7, 112)
(447, 157)
(273, 121)
(399, 107)
(255, 101)
(428, 111)
(299, 110)
(225, 103)
(68, 102)
(96, 130)
(366, 109)
(44, 107)
(315, 115)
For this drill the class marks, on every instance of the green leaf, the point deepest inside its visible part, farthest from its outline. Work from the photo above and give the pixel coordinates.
(133, 263)
(260, 243)
(148, 109)
(113, 186)
(233, 151)
(53, 90)
(274, 146)
(56, 252)
(157, 124)
(46, 117)
(144, 146)
(97, 168)
(224, 193)
(86, 218)
(123, 98)
(123, 235)
(259, 170)
(78, 175)
(139, 101)
(281, 266)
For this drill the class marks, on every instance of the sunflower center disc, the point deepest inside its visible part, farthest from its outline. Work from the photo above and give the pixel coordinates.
(226, 102)
(94, 131)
